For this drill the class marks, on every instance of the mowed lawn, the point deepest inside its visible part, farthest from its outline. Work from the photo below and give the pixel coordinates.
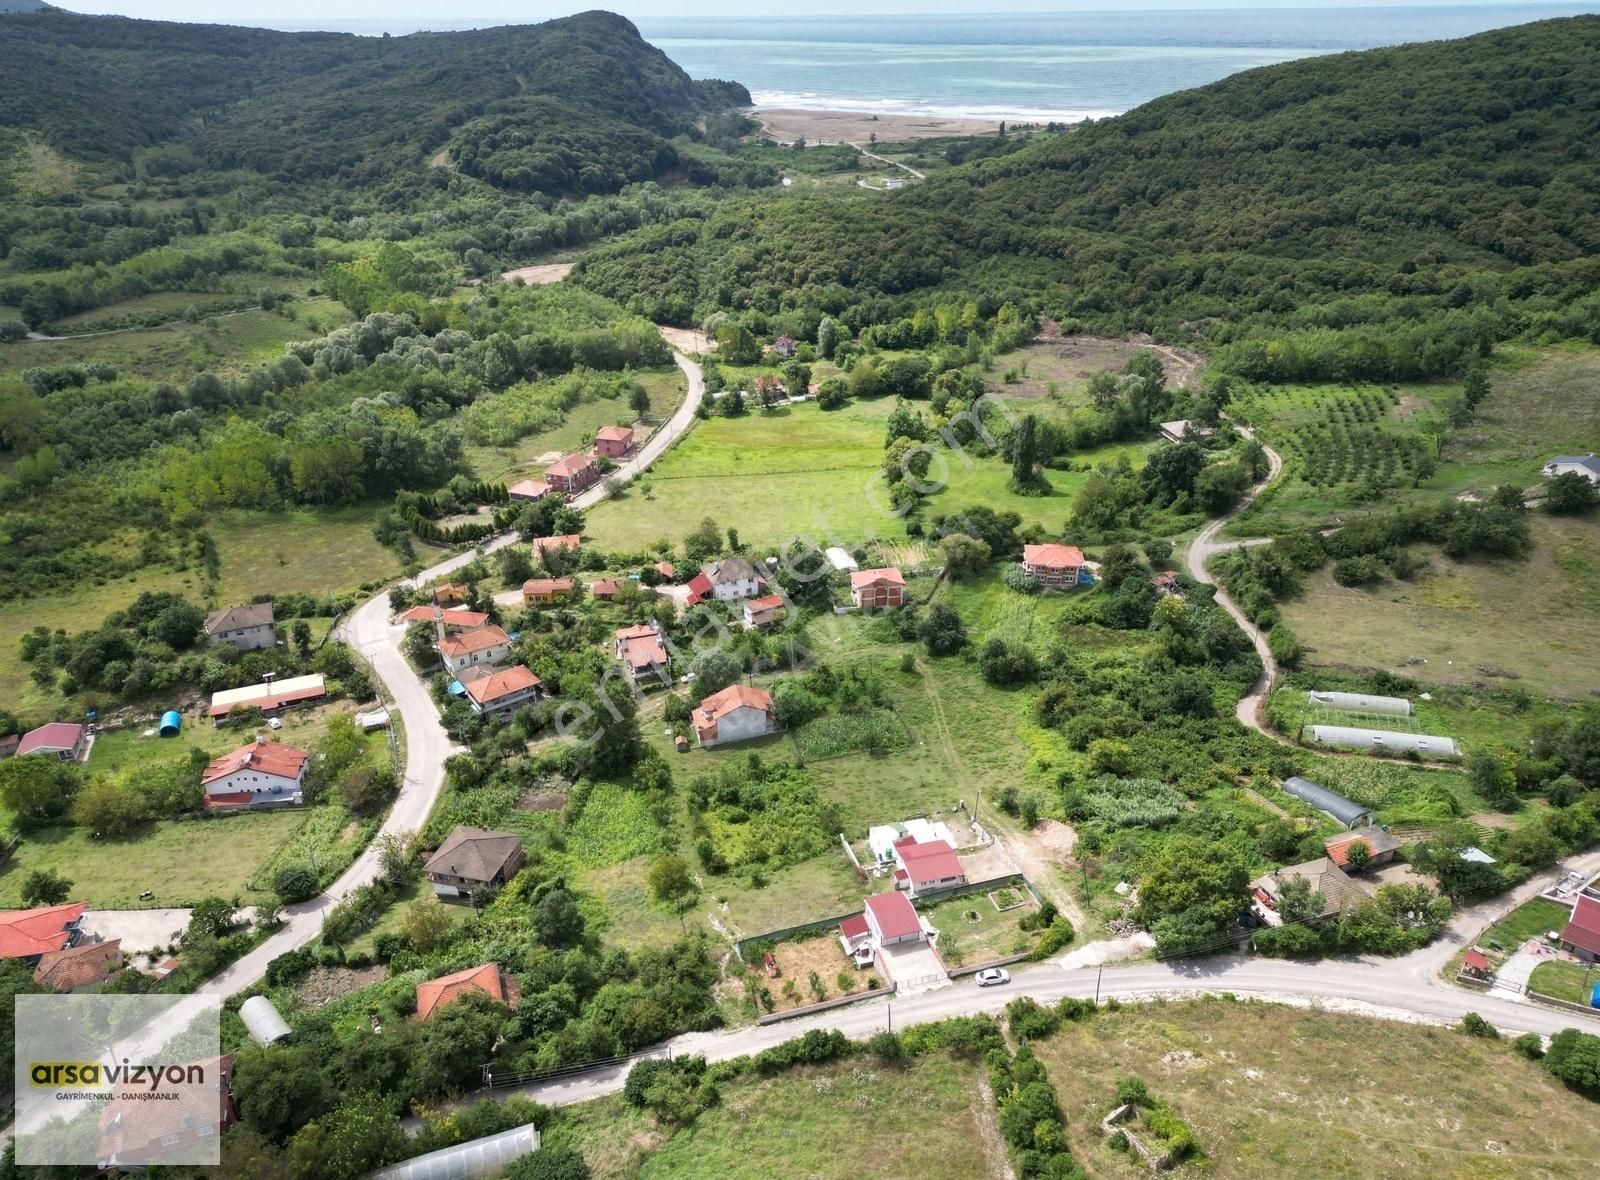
(1534, 619)
(1274, 1092)
(926, 1120)
(180, 861)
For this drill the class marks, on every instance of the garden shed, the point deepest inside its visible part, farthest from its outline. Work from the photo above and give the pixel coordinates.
(1330, 803)
(1357, 702)
(1385, 741)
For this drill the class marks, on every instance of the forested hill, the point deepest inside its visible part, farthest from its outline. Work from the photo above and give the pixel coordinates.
(531, 106)
(1449, 186)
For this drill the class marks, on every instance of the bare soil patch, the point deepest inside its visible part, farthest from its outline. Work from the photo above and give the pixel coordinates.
(327, 984)
(796, 962)
(847, 126)
(542, 800)
(538, 276)
(690, 340)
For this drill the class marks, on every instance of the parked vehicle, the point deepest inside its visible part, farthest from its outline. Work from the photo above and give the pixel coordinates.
(993, 977)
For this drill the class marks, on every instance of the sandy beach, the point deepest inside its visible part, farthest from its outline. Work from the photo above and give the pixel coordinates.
(858, 126)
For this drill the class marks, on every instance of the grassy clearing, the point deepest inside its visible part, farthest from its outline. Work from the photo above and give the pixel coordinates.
(1273, 1092)
(923, 1120)
(125, 749)
(973, 930)
(1573, 982)
(1531, 919)
(1534, 620)
(182, 861)
(615, 826)
(1065, 364)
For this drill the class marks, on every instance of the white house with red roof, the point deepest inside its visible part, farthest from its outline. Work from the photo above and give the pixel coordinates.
(29, 935)
(571, 473)
(642, 652)
(260, 774)
(55, 739)
(764, 611)
(893, 919)
(729, 580)
(485, 645)
(566, 541)
(736, 714)
(927, 867)
(1056, 567)
(879, 589)
(1582, 933)
(497, 690)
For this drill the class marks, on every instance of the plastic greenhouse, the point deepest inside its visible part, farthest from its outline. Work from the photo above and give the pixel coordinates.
(262, 1021)
(1332, 804)
(1356, 702)
(481, 1157)
(1388, 741)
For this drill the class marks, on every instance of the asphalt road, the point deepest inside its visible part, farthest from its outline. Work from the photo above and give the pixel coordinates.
(368, 629)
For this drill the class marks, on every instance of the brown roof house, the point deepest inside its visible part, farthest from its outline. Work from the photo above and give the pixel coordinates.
(496, 690)
(472, 858)
(736, 714)
(1381, 846)
(1324, 877)
(488, 979)
(245, 628)
(79, 968)
(614, 441)
(1053, 566)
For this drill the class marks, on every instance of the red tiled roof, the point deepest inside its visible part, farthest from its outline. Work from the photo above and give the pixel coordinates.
(886, 576)
(470, 641)
(735, 696)
(25, 933)
(894, 913)
(78, 966)
(462, 620)
(568, 466)
(50, 738)
(855, 927)
(665, 569)
(614, 434)
(532, 489)
(1052, 557)
(699, 587)
(227, 799)
(267, 757)
(133, 1132)
(1476, 960)
(641, 647)
(603, 587)
(546, 586)
(755, 606)
(565, 541)
(436, 993)
(1583, 931)
(933, 861)
(486, 689)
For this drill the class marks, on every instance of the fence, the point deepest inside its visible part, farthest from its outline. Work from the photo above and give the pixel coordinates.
(973, 969)
(745, 944)
(531, 1077)
(836, 1002)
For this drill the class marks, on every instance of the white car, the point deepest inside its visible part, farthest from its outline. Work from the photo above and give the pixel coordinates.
(993, 977)
(274, 723)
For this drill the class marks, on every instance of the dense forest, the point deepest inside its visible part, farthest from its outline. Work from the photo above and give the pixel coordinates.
(304, 105)
(1381, 214)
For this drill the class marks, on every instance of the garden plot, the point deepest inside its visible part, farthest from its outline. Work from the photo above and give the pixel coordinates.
(811, 970)
(982, 927)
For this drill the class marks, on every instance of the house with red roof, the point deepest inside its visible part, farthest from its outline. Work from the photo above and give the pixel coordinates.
(547, 591)
(453, 618)
(929, 866)
(855, 935)
(604, 589)
(571, 474)
(527, 491)
(447, 989)
(736, 714)
(566, 541)
(666, 570)
(1582, 933)
(29, 935)
(55, 739)
(260, 774)
(449, 592)
(879, 589)
(764, 611)
(79, 968)
(613, 441)
(1056, 567)
(728, 580)
(893, 919)
(135, 1134)
(1381, 846)
(485, 645)
(643, 653)
(498, 690)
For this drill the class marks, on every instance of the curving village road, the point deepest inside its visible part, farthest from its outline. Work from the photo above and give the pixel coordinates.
(368, 630)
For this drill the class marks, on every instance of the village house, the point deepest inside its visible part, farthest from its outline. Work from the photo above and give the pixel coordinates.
(879, 589)
(29, 935)
(1381, 846)
(1587, 466)
(571, 474)
(135, 1134)
(1581, 935)
(244, 628)
(453, 618)
(728, 580)
(449, 593)
(79, 968)
(56, 739)
(260, 774)
(545, 591)
(736, 714)
(855, 935)
(447, 989)
(1324, 877)
(667, 570)
(765, 611)
(892, 919)
(1183, 430)
(1055, 567)
(768, 389)
(491, 691)
(643, 655)
(604, 589)
(927, 867)
(567, 542)
(270, 696)
(486, 645)
(472, 858)
(527, 491)
(784, 346)
(613, 441)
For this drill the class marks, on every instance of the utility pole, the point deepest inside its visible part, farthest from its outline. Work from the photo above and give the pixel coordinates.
(1097, 976)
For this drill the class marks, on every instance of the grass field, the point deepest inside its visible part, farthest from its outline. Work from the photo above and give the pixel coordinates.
(1534, 619)
(1573, 982)
(924, 1120)
(1064, 366)
(127, 749)
(1531, 919)
(1272, 1092)
(972, 930)
(182, 861)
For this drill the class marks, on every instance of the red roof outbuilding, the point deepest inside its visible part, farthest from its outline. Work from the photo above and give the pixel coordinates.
(53, 737)
(1583, 930)
(932, 861)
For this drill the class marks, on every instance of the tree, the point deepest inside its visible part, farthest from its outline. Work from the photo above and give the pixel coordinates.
(942, 630)
(964, 556)
(834, 393)
(108, 807)
(714, 671)
(295, 883)
(1171, 471)
(1298, 903)
(211, 916)
(827, 336)
(1490, 773)
(639, 400)
(671, 883)
(359, 1135)
(1358, 854)
(1574, 1059)
(556, 920)
(736, 345)
(1025, 456)
(37, 791)
(1220, 486)
(1193, 891)
(549, 1163)
(795, 703)
(1571, 494)
(367, 790)
(300, 632)
(280, 1090)
(426, 924)
(45, 887)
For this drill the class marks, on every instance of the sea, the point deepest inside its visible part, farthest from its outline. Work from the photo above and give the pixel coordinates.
(1031, 66)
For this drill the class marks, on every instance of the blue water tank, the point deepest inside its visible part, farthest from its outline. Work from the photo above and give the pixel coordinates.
(171, 723)
(1594, 997)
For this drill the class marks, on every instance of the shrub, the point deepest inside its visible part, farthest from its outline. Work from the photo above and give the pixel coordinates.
(1476, 1026)
(294, 883)
(1132, 1090)
(886, 1047)
(1530, 1045)
(1030, 1021)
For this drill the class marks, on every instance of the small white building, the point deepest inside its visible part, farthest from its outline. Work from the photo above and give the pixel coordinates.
(839, 558)
(1587, 466)
(243, 628)
(736, 714)
(260, 774)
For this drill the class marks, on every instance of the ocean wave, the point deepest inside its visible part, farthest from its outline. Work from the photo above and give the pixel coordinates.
(810, 101)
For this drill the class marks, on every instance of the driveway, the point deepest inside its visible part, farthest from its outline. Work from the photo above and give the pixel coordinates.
(915, 968)
(140, 930)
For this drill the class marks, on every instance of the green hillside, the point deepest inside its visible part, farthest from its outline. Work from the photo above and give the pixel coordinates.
(576, 104)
